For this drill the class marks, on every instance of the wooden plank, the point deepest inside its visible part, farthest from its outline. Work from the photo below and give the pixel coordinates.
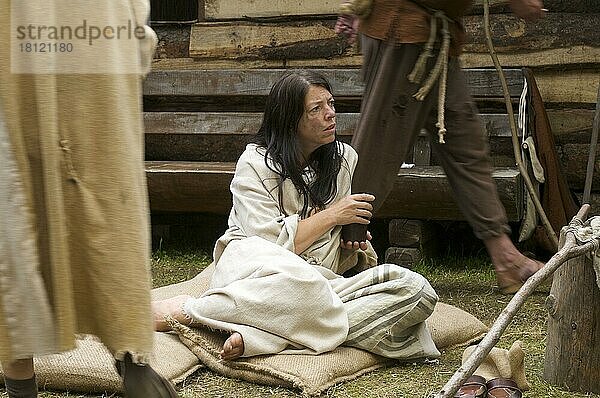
(232, 123)
(267, 41)
(569, 86)
(517, 43)
(257, 82)
(560, 58)
(589, 6)
(556, 30)
(222, 136)
(570, 121)
(573, 158)
(556, 85)
(421, 193)
(424, 193)
(568, 56)
(227, 9)
(189, 186)
(173, 41)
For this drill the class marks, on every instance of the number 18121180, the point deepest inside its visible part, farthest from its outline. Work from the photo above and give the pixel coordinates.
(46, 47)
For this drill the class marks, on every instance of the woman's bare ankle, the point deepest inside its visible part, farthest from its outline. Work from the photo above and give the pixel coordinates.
(172, 307)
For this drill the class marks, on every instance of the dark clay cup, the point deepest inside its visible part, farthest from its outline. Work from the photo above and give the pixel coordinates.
(355, 232)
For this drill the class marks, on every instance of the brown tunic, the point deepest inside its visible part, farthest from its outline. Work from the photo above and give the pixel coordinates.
(404, 21)
(76, 146)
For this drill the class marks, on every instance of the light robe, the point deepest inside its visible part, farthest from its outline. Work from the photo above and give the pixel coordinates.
(281, 302)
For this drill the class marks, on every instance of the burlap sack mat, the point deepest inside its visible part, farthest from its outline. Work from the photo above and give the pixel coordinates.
(90, 367)
(449, 326)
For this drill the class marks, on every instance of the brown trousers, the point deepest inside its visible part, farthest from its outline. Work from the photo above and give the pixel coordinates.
(391, 119)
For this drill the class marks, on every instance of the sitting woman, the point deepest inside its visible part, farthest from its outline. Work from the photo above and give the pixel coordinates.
(277, 284)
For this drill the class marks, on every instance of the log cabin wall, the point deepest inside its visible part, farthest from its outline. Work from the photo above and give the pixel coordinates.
(563, 50)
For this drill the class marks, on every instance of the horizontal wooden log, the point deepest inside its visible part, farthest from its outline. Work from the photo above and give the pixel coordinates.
(227, 9)
(257, 82)
(557, 57)
(583, 6)
(421, 193)
(296, 40)
(424, 193)
(190, 186)
(173, 41)
(267, 41)
(567, 122)
(557, 86)
(556, 30)
(569, 86)
(222, 136)
(232, 123)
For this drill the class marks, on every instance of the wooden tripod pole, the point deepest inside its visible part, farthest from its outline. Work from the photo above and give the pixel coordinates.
(569, 250)
(587, 190)
(513, 128)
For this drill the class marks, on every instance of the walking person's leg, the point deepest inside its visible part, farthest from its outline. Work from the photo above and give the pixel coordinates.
(19, 378)
(390, 117)
(466, 160)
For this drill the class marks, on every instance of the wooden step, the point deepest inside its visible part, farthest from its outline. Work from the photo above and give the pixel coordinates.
(222, 136)
(190, 186)
(422, 192)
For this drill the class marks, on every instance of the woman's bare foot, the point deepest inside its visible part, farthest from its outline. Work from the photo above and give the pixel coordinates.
(172, 307)
(233, 347)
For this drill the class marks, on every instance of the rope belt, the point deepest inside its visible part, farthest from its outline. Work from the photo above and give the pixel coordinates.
(439, 71)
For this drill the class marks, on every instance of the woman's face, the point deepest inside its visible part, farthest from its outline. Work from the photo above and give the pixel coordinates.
(317, 124)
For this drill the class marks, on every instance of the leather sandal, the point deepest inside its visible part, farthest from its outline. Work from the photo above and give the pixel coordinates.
(474, 387)
(141, 381)
(503, 388)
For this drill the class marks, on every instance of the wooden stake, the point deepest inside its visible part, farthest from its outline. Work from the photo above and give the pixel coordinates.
(513, 128)
(569, 250)
(587, 190)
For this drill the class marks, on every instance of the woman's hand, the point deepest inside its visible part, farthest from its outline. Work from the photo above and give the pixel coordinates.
(353, 209)
(529, 10)
(356, 245)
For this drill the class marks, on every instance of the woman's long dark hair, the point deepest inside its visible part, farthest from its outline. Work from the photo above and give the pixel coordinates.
(278, 134)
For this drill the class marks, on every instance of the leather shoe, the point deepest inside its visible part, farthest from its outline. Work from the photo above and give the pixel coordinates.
(141, 381)
(474, 387)
(503, 388)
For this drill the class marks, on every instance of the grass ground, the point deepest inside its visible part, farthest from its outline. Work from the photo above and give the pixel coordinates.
(465, 281)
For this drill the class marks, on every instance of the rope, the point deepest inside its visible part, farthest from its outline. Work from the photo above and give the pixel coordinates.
(439, 71)
(443, 83)
(419, 70)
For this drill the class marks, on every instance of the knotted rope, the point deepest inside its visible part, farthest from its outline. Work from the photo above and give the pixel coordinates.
(439, 71)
